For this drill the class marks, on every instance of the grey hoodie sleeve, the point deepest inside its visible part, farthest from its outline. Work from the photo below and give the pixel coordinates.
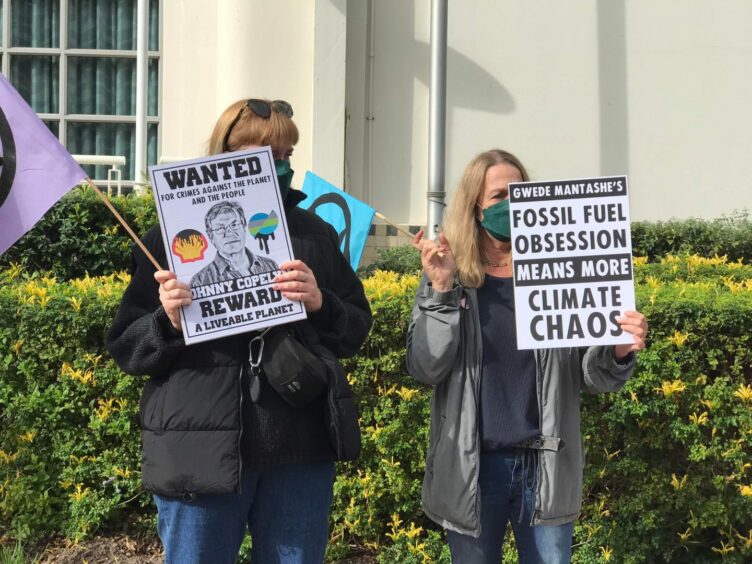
(601, 372)
(433, 337)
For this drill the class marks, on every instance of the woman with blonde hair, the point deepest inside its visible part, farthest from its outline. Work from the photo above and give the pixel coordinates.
(222, 450)
(505, 443)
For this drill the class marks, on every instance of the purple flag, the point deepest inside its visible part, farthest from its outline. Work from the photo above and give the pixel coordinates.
(35, 169)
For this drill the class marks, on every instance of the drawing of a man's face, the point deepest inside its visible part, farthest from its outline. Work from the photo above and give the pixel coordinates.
(227, 232)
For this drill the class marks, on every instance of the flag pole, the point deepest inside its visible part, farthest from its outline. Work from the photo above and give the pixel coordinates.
(109, 205)
(397, 227)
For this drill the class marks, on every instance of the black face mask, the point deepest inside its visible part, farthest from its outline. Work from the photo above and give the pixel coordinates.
(284, 176)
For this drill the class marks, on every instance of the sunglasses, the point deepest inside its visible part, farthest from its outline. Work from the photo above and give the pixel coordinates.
(262, 109)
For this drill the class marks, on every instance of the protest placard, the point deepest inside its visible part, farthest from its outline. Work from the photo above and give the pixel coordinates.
(572, 249)
(225, 233)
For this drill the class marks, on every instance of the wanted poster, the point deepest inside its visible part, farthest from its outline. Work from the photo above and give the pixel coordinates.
(572, 249)
(225, 233)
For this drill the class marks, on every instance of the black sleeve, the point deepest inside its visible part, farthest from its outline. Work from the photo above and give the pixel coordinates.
(141, 339)
(344, 320)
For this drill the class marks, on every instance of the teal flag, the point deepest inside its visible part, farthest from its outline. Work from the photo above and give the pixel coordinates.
(350, 217)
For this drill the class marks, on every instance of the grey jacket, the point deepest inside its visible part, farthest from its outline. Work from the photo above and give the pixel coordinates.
(444, 350)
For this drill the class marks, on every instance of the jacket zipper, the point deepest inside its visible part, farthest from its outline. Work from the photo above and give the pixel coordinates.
(471, 305)
(240, 434)
(539, 390)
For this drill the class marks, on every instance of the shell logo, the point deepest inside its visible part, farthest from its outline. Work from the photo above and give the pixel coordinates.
(189, 245)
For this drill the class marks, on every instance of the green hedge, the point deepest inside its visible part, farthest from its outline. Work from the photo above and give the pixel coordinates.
(69, 450)
(80, 236)
(669, 475)
(726, 236)
(403, 260)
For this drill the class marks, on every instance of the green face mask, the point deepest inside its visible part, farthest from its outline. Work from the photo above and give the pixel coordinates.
(284, 176)
(496, 221)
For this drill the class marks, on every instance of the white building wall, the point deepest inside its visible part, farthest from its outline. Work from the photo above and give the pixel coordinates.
(657, 89)
(690, 106)
(219, 52)
(328, 103)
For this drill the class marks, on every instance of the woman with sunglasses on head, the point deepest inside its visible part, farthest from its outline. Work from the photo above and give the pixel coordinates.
(505, 444)
(222, 454)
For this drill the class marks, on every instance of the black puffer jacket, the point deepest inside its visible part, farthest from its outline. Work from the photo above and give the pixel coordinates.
(198, 426)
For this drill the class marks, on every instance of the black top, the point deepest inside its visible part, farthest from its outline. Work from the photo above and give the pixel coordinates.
(509, 405)
(197, 432)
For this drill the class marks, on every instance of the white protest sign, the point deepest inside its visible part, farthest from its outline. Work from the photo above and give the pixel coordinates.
(572, 249)
(225, 232)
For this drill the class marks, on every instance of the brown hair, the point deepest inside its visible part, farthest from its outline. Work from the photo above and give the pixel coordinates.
(277, 130)
(460, 226)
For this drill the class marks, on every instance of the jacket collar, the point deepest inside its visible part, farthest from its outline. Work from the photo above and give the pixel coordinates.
(294, 197)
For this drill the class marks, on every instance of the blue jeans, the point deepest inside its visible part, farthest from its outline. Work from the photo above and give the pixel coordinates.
(286, 510)
(507, 483)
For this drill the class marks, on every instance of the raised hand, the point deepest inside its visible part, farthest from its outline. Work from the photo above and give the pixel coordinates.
(437, 259)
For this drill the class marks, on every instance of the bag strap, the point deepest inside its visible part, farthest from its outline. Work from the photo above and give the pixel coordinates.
(255, 359)
(255, 362)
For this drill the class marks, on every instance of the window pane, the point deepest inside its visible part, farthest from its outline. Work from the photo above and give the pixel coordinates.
(154, 25)
(102, 24)
(111, 139)
(35, 23)
(107, 86)
(101, 86)
(152, 140)
(152, 96)
(36, 77)
(53, 126)
(103, 139)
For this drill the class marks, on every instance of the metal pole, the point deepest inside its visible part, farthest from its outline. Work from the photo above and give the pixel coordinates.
(437, 117)
(142, 77)
(369, 103)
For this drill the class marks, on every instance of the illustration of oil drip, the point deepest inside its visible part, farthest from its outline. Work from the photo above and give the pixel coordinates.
(262, 227)
(189, 245)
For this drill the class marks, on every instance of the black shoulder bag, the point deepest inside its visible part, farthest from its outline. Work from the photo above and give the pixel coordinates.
(300, 373)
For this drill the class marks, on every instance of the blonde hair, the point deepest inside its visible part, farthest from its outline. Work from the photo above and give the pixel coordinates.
(277, 130)
(461, 227)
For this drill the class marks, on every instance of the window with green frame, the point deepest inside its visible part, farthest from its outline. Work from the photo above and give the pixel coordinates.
(74, 61)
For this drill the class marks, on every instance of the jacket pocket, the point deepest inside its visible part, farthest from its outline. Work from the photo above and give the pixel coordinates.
(151, 406)
(434, 443)
(341, 415)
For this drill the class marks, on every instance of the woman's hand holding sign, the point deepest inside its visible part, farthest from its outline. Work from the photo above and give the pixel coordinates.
(172, 294)
(635, 323)
(298, 283)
